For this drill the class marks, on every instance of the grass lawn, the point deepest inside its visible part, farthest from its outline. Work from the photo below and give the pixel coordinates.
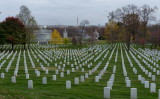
(87, 57)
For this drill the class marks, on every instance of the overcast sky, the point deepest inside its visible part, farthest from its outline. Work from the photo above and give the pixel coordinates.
(65, 12)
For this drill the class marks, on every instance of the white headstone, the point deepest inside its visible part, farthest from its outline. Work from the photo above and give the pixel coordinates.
(146, 72)
(146, 84)
(107, 92)
(2, 75)
(6, 69)
(38, 73)
(46, 71)
(82, 69)
(139, 77)
(55, 64)
(158, 93)
(77, 67)
(90, 72)
(73, 70)
(27, 76)
(15, 73)
(154, 69)
(133, 93)
(62, 74)
(96, 78)
(59, 67)
(125, 73)
(13, 79)
(82, 78)
(149, 74)
(63, 69)
(26, 71)
(126, 78)
(44, 80)
(110, 84)
(158, 72)
(153, 77)
(30, 84)
(68, 72)
(128, 84)
(54, 77)
(56, 71)
(152, 87)
(100, 76)
(86, 75)
(68, 84)
(76, 81)
(142, 80)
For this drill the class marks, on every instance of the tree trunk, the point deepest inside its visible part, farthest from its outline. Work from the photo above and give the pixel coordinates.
(24, 46)
(152, 45)
(128, 45)
(128, 41)
(28, 45)
(144, 35)
(12, 46)
(81, 39)
(155, 44)
(1, 45)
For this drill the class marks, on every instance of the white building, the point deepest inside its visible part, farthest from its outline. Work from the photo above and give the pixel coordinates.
(96, 35)
(42, 35)
(65, 34)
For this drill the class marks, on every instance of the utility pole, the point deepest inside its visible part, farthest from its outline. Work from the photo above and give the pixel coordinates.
(77, 21)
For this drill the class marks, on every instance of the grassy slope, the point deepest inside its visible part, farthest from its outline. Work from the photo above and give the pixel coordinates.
(86, 90)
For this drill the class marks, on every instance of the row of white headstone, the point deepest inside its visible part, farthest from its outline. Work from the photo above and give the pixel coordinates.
(10, 62)
(142, 79)
(82, 77)
(153, 77)
(146, 57)
(44, 79)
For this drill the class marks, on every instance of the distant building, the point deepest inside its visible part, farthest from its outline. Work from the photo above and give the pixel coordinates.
(42, 35)
(65, 34)
(96, 35)
(93, 36)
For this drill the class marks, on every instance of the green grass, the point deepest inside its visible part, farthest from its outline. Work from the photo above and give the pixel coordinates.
(85, 90)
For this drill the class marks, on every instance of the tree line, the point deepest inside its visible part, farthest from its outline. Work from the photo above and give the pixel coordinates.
(130, 24)
(18, 29)
(126, 24)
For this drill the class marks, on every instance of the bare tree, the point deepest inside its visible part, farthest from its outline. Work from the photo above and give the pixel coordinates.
(30, 29)
(154, 37)
(82, 26)
(111, 16)
(24, 15)
(146, 14)
(111, 31)
(29, 22)
(131, 26)
(128, 15)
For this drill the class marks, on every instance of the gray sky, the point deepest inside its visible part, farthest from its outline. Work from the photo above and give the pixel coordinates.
(65, 12)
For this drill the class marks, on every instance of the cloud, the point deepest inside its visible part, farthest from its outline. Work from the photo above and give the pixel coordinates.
(66, 11)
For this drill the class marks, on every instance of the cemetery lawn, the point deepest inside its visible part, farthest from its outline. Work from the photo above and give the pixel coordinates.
(88, 57)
